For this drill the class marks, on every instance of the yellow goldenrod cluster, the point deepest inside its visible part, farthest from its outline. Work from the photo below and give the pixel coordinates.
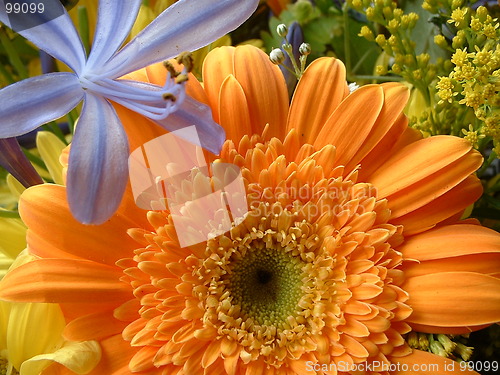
(459, 95)
(474, 81)
(414, 68)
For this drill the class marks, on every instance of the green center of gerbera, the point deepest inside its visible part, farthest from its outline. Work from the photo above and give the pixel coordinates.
(266, 284)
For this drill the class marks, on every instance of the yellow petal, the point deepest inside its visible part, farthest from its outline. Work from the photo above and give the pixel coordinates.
(50, 148)
(79, 357)
(12, 237)
(15, 187)
(33, 329)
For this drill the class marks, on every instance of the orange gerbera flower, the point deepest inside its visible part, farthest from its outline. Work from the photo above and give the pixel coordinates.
(351, 242)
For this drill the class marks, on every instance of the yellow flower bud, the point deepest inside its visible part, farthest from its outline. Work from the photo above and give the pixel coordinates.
(440, 40)
(366, 33)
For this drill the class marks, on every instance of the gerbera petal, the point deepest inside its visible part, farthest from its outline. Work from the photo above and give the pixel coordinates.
(388, 126)
(425, 363)
(42, 99)
(441, 208)
(93, 327)
(447, 330)
(234, 114)
(184, 26)
(267, 96)
(116, 355)
(52, 31)
(97, 173)
(349, 125)
(319, 92)
(461, 247)
(191, 112)
(417, 162)
(64, 280)
(451, 241)
(139, 129)
(397, 138)
(433, 186)
(450, 299)
(218, 64)
(486, 264)
(115, 19)
(68, 238)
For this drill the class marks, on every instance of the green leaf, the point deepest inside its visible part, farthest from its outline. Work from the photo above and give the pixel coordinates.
(424, 32)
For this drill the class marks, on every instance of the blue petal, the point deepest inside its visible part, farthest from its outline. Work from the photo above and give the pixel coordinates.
(27, 104)
(115, 19)
(98, 171)
(184, 26)
(192, 112)
(56, 36)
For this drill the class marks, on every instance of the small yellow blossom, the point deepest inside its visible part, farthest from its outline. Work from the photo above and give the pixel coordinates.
(472, 136)
(458, 16)
(445, 89)
(460, 57)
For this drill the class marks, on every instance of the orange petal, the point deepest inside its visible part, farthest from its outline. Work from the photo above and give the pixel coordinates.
(45, 211)
(425, 363)
(116, 355)
(451, 241)
(398, 137)
(139, 129)
(64, 280)
(442, 208)
(447, 330)
(234, 115)
(435, 185)
(349, 125)
(389, 125)
(143, 359)
(453, 299)
(418, 161)
(93, 327)
(217, 66)
(319, 92)
(265, 89)
(487, 264)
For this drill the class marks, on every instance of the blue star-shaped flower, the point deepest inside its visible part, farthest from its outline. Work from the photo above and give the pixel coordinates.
(97, 173)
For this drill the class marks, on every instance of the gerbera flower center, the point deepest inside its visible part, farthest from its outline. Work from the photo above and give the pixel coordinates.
(266, 283)
(311, 273)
